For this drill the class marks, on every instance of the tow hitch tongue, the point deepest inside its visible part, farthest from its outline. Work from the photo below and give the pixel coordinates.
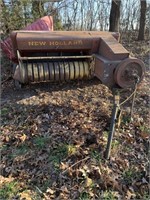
(59, 56)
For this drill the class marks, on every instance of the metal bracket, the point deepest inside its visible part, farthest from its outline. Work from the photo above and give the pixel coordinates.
(112, 125)
(116, 114)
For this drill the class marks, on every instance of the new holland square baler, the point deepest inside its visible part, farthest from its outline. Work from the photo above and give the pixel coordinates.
(68, 55)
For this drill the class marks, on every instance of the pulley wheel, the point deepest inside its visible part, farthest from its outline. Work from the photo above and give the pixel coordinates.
(129, 72)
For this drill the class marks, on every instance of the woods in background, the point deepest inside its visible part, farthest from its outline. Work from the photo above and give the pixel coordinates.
(112, 15)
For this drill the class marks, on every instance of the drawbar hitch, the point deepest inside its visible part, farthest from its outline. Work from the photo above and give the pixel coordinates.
(116, 112)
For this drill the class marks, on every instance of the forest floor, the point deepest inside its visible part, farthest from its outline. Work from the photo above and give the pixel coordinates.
(53, 139)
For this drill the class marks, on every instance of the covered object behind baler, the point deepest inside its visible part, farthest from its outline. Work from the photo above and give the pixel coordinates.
(44, 23)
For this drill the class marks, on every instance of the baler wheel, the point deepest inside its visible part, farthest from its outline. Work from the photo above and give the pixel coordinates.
(129, 72)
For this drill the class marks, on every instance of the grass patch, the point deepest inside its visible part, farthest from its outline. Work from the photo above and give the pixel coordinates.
(20, 150)
(146, 196)
(58, 154)
(129, 175)
(109, 195)
(115, 144)
(84, 196)
(61, 152)
(126, 119)
(96, 155)
(127, 149)
(4, 111)
(4, 148)
(46, 184)
(144, 129)
(105, 134)
(9, 190)
(40, 142)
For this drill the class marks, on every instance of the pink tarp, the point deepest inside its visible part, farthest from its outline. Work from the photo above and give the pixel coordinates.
(44, 23)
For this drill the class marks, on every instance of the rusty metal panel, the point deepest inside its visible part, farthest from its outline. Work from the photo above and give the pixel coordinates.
(112, 50)
(56, 41)
(104, 70)
(73, 40)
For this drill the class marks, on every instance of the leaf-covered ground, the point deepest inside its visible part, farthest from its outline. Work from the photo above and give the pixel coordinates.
(53, 139)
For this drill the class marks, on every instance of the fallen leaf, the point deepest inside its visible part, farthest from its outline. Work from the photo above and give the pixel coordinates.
(23, 137)
(88, 182)
(50, 191)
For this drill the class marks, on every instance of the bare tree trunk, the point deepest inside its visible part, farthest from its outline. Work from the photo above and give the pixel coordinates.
(75, 5)
(114, 16)
(142, 20)
(37, 9)
(82, 14)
